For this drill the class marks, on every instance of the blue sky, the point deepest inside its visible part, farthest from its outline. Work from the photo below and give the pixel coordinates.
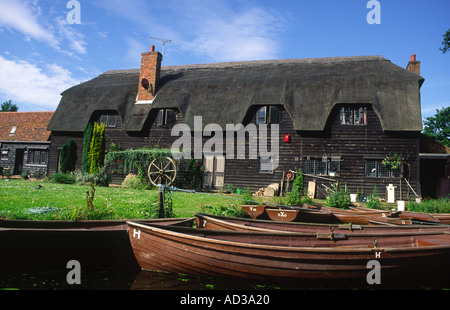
(41, 54)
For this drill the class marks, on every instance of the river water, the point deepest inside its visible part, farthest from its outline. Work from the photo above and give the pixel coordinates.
(137, 279)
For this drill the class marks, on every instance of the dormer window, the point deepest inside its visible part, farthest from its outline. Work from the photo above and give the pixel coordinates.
(13, 131)
(110, 120)
(166, 117)
(353, 116)
(268, 115)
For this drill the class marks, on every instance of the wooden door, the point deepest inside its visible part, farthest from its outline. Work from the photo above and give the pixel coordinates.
(213, 176)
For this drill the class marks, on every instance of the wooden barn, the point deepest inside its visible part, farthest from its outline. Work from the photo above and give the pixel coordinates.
(337, 118)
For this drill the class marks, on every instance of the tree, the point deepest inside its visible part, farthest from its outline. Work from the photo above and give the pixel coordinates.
(87, 137)
(445, 42)
(97, 151)
(437, 127)
(8, 106)
(68, 157)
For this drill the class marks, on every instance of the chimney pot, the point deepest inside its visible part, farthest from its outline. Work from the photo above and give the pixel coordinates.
(413, 65)
(152, 48)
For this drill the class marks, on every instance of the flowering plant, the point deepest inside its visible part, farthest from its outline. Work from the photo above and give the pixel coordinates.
(393, 160)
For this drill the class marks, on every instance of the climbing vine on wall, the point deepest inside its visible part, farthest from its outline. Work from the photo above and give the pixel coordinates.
(131, 160)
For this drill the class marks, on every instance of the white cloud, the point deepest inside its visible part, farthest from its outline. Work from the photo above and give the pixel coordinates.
(25, 82)
(68, 32)
(25, 17)
(21, 16)
(214, 30)
(232, 36)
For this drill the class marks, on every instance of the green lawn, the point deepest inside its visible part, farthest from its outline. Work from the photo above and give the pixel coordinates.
(21, 199)
(44, 200)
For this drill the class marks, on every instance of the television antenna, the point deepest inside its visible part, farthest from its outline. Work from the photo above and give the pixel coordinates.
(164, 42)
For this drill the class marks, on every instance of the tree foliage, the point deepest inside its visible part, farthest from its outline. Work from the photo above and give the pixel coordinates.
(87, 137)
(296, 194)
(445, 42)
(437, 127)
(97, 150)
(8, 106)
(68, 157)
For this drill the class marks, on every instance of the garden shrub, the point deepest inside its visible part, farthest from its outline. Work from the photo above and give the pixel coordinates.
(133, 181)
(68, 157)
(102, 178)
(87, 137)
(225, 210)
(39, 174)
(373, 201)
(339, 199)
(63, 178)
(296, 193)
(97, 149)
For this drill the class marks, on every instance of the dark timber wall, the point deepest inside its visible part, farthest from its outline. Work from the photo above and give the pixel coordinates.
(353, 143)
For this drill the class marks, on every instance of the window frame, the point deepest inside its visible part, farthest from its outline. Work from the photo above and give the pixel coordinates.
(33, 154)
(163, 117)
(269, 115)
(315, 165)
(110, 120)
(5, 154)
(353, 116)
(379, 171)
(12, 131)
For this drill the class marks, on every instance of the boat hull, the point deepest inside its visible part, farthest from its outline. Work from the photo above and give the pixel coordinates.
(217, 222)
(262, 256)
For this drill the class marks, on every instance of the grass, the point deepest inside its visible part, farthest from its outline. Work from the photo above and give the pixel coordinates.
(41, 200)
(21, 199)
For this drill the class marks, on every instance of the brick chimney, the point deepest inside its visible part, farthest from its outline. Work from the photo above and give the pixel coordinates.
(149, 76)
(413, 65)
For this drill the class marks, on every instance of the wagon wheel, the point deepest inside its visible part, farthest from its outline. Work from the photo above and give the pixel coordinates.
(162, 171)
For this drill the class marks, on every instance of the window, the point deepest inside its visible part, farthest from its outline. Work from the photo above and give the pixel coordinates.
(322, 166)
(268, 115)
(37, 157)
(5, 154)
(374, 168)
(13, 131)
(110, 120)
(166, 117)
(353, 116)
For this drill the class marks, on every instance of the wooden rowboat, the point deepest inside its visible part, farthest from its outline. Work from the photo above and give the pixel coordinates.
(288, 214)
(50, 245)
(255, 211)
(325, 216)
(217, 222)
(313, 214)
(442, 218)
(284, 257)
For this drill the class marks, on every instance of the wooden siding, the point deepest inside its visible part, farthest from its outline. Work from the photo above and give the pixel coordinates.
(353, 143)
(160, 137)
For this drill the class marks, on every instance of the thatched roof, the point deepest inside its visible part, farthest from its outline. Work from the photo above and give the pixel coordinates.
(222, 93)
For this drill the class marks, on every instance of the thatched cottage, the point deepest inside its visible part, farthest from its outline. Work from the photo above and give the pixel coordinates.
(338, 118)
